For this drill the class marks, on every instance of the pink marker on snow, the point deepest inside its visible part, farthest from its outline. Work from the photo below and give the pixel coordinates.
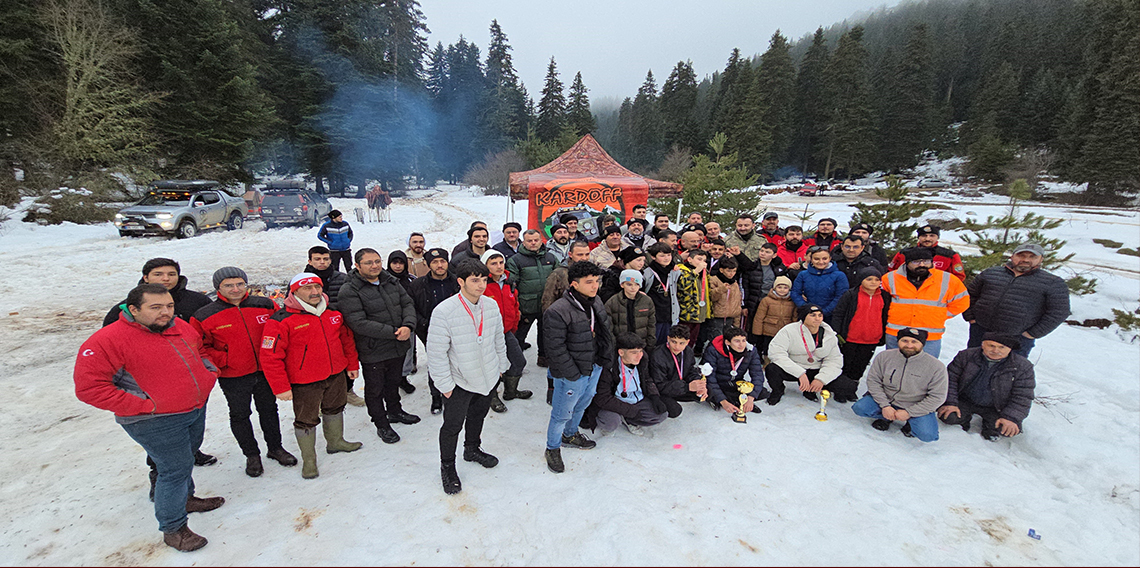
(676, 446)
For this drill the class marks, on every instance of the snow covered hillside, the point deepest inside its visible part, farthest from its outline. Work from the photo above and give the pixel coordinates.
(782, 489)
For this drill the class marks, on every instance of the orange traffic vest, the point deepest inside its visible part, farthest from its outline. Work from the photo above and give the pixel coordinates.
(941, 297)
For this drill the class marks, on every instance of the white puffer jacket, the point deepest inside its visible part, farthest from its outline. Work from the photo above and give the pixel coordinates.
(454, 354)
(787, 350)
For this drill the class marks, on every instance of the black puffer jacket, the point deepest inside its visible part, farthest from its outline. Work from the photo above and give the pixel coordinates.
(572, 348)
(427, 293)
(404, 277)
(851, 267)
(374, 313)
(878, 253)
(1036, 303)
(186, 302)
(758, 280)
(609, 382)
(663, 370)
(644, 317)
(1011, 384)
(331, 282)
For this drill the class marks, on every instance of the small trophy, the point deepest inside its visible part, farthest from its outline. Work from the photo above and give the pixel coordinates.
(822, 414)
(706, 370)
(745, 387)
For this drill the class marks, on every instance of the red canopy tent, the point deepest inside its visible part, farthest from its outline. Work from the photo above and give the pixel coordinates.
(588, 183)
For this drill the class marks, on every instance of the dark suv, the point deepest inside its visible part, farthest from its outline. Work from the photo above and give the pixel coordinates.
(290, 204)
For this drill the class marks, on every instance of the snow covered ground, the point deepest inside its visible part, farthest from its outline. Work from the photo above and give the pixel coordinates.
(782, 489)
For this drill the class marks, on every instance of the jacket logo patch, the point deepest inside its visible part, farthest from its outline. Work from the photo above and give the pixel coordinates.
(268, 342)
(88, 352)
(224, 326)
(334, 319)
(262, 319)
(304, 325)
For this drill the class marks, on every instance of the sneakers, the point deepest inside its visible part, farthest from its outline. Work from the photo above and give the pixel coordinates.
(450, 478)
(253, 467)
(636, 430)
(882, 424)
(200, 505)
(436, 403)
(480, 457)
(554, 461)
(406, 386)
(578, 440)
(906, 430)
(387, 434)
(184, 539)
(402, 417)
(354, 399)
(811, 396)
(282, 457)
(774, 398)
(204, 459)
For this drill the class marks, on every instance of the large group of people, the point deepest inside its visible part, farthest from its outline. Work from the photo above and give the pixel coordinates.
(630, 326)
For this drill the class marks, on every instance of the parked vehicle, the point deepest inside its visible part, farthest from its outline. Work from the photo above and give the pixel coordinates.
(290, 204)
(932, 182)
(809, 189)
(183, 209)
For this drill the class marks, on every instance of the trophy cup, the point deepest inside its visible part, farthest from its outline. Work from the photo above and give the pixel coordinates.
(822, 414)
(744, 387)
(706, 370)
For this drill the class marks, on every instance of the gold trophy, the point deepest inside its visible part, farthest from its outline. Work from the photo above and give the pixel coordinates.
(822, 414)
(745, 387)
(706, 370)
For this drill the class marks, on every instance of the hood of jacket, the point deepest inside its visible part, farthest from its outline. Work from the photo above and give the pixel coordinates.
(818, 272)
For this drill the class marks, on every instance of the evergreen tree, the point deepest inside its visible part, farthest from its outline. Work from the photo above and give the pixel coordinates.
(729, 95)
(715, 186)
(458, 105)
(623, 147)
(1041, 113)
(810, 111)
(850, 129)
(997, 236)
(648, 137)
(995, 111)
(751, 135)
(906, 123)
(26, 68)
(680, 127)
(578, 115)
(776, 90)
(506, 105)
(552, 106)
(894, 220)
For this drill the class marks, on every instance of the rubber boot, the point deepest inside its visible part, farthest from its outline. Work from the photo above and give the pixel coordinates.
(511, 389)
(334, 434)
(307, 441)
(497, 404)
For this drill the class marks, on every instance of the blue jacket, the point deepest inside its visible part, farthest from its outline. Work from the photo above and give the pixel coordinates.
(722, 381)
(821, 287)
(337, 235)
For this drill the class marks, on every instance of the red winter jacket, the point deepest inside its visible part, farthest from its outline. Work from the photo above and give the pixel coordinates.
(298, 348)
(944, 259)
(507, 296)
(231, 335)
(133, 371)
(791, 257)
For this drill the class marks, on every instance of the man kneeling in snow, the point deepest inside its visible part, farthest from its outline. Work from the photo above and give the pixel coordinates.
(993, 381)
(626, 394)
(905, 384)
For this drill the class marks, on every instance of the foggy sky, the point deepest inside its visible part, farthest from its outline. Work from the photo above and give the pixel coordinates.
(614, 42)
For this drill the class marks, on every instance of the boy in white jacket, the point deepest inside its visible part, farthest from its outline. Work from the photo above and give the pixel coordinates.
(466, 354)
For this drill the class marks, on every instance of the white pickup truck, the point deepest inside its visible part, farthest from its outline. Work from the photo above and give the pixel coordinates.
(182, 209)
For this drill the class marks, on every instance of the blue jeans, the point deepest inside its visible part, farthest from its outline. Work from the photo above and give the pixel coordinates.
(977, 332)
(924, 427)
(931, 347)
(171, 442)
(568, 405)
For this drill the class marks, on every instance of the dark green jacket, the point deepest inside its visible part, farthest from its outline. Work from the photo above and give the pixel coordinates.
(532, 269)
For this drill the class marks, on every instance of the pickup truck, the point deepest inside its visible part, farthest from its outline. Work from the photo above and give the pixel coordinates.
(182, 209)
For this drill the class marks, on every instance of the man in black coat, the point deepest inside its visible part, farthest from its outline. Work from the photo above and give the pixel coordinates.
(991, 380)
(381, 316)
(673, 368)
(427, 293)
(759, 277)
(869, 245)
(1017, 298)
(853, 257)
(578, 347)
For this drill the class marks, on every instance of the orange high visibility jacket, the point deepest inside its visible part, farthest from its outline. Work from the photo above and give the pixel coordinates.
(941, 297)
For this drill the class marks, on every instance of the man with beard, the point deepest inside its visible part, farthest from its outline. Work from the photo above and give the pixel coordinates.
(398, 268)
(477, 238)
(825, 235)
(606, 254)
(510, 244)
(660, 223)
(770, 228)
(569, 221)
(923, 298)
(942, 257)
(745, 237)
(427, 293)
(636, 236)
(793, 250)
(907, 385)
(417, 265)
(712, 231)
(531, 267)
(873, 248)
(1017, 298)
(559, 243)
(465, 244)
(145, 367)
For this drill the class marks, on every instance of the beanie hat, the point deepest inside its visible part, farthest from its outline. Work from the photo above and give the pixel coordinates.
(782, 280)
(228, 272)
(335, 213)
(566, 218)
(554, 228)
(628, 254)
(511, 224)
(1006, 339)
(827, 219)
(491, 253)
(644, 224)
(303, 279)
(929, 230)
(863, 273)
(918, 253)
(863, 227)
(630, 276)
(611, 229)
(472, 230)
(913, 333)
(803, 311)
(434, 254)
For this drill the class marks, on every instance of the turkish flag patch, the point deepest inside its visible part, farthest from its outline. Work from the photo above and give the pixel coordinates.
(268, 342)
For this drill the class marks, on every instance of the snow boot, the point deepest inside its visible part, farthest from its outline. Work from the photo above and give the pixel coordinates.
(554, 460)
(496, 403)
(253, 467)
(436, 403)
(202, 505)
(387, 434)
(773, 399)
(406, 386)
(480, 457)
(201, 458)
(334, 434)
(511, 389)
(184, 539)
(307, 441)
(881, 424)
(450, 477)
(282, 457)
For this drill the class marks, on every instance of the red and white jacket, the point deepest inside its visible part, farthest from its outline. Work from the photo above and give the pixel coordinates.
(298, 347)
(231, 334)
(507, 297)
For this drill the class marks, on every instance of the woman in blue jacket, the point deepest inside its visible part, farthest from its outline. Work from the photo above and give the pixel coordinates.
(821, 284)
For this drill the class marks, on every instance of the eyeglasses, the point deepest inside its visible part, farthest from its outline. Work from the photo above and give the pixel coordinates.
(370, 262)
(922, 262)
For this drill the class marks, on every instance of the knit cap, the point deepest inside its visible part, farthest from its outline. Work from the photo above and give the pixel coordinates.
(228, 272)
(491, 253)
(782, 280)
(630, 276)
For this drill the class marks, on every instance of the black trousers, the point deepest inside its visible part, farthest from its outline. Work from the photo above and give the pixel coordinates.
(239, 391)
(525, 321)
(382, 388)
(856, 358)
(776, 376)
(462, 409)
(344, 256)
(431, 384)
(989, 416)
